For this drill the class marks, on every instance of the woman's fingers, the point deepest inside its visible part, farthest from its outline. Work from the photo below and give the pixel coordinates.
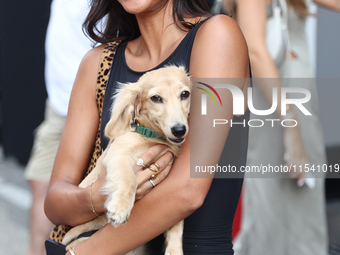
(150, 183)
(296, 155)
(151, 173)
(297, 168)
(149, 155)
(152, 169)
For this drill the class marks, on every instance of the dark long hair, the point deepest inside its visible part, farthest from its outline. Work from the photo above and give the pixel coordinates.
(122, 25)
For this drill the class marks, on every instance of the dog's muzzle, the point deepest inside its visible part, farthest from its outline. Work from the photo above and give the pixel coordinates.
(178, 131)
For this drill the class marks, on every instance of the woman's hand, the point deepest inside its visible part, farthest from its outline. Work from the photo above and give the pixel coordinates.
(295, 153)
(143, 175)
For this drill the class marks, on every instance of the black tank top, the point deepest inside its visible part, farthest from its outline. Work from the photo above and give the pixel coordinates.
(209, 229)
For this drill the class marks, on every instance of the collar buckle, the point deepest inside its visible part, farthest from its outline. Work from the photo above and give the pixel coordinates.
(148, 132)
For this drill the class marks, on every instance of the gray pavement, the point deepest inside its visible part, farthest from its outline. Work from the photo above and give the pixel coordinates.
(14, 207)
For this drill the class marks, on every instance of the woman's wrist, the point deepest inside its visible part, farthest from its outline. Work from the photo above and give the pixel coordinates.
(96, 200)
(289, 111)
(71, 251)
(86, 198)
(91, 200)
(290, 118)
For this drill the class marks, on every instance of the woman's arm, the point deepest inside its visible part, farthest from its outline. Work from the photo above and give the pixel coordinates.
(65, 199)
(75, 148)
(252, 18)
(219, 51)
(330, 4)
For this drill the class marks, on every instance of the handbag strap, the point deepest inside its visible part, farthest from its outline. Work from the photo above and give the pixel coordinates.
(106, 61)
(102, 78)
(285, 32)
(282, 4)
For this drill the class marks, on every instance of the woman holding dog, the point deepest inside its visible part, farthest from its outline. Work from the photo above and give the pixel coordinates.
(155, 34)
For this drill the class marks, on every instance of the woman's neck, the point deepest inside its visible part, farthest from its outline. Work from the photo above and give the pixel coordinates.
(159, 38)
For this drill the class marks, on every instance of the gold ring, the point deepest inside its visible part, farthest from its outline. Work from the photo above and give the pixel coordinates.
(153, 176)
(155, 163)
(153, 170)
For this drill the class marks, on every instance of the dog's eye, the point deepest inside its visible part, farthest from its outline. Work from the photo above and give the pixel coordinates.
(156, 99)
(185, 95)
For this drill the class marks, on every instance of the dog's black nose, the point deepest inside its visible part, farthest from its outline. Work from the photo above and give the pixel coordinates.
(178, 130)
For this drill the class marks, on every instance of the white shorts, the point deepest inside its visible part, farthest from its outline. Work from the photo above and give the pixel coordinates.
(46, 142)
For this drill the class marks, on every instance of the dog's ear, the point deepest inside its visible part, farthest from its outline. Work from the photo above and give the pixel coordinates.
(123, 109)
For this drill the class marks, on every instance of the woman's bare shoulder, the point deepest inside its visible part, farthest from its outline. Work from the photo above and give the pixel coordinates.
(92, 57)
(220, 27)
(88, 69)
(220, 45)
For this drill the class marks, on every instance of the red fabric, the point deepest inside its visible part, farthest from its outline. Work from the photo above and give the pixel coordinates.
(237, 218)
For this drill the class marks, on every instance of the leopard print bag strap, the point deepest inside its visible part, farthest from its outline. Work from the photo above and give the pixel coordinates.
(103, 76)
(106, 61)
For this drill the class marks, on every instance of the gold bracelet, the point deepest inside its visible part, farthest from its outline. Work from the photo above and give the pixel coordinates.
(72, 250)
(93, 210)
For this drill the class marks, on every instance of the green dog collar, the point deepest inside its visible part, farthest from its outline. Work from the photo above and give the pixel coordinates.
(147, 132)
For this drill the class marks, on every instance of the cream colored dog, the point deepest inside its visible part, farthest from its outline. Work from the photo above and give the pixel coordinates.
(159, 100)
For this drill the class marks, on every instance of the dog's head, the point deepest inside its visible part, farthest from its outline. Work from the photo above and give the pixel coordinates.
(160, 99)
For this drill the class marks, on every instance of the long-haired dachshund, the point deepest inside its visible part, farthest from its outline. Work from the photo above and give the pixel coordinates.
(159, 102)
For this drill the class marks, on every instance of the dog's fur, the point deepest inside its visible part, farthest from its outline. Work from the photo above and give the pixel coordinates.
(136, 101)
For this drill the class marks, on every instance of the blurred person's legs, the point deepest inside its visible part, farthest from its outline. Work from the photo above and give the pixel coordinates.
(278, 216)
(281, 218)
(40, 226)
(38, 173)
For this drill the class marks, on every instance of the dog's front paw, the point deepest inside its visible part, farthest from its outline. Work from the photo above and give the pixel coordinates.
(72, 245)
(117, 218)
(118, 210)
(171, 251)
